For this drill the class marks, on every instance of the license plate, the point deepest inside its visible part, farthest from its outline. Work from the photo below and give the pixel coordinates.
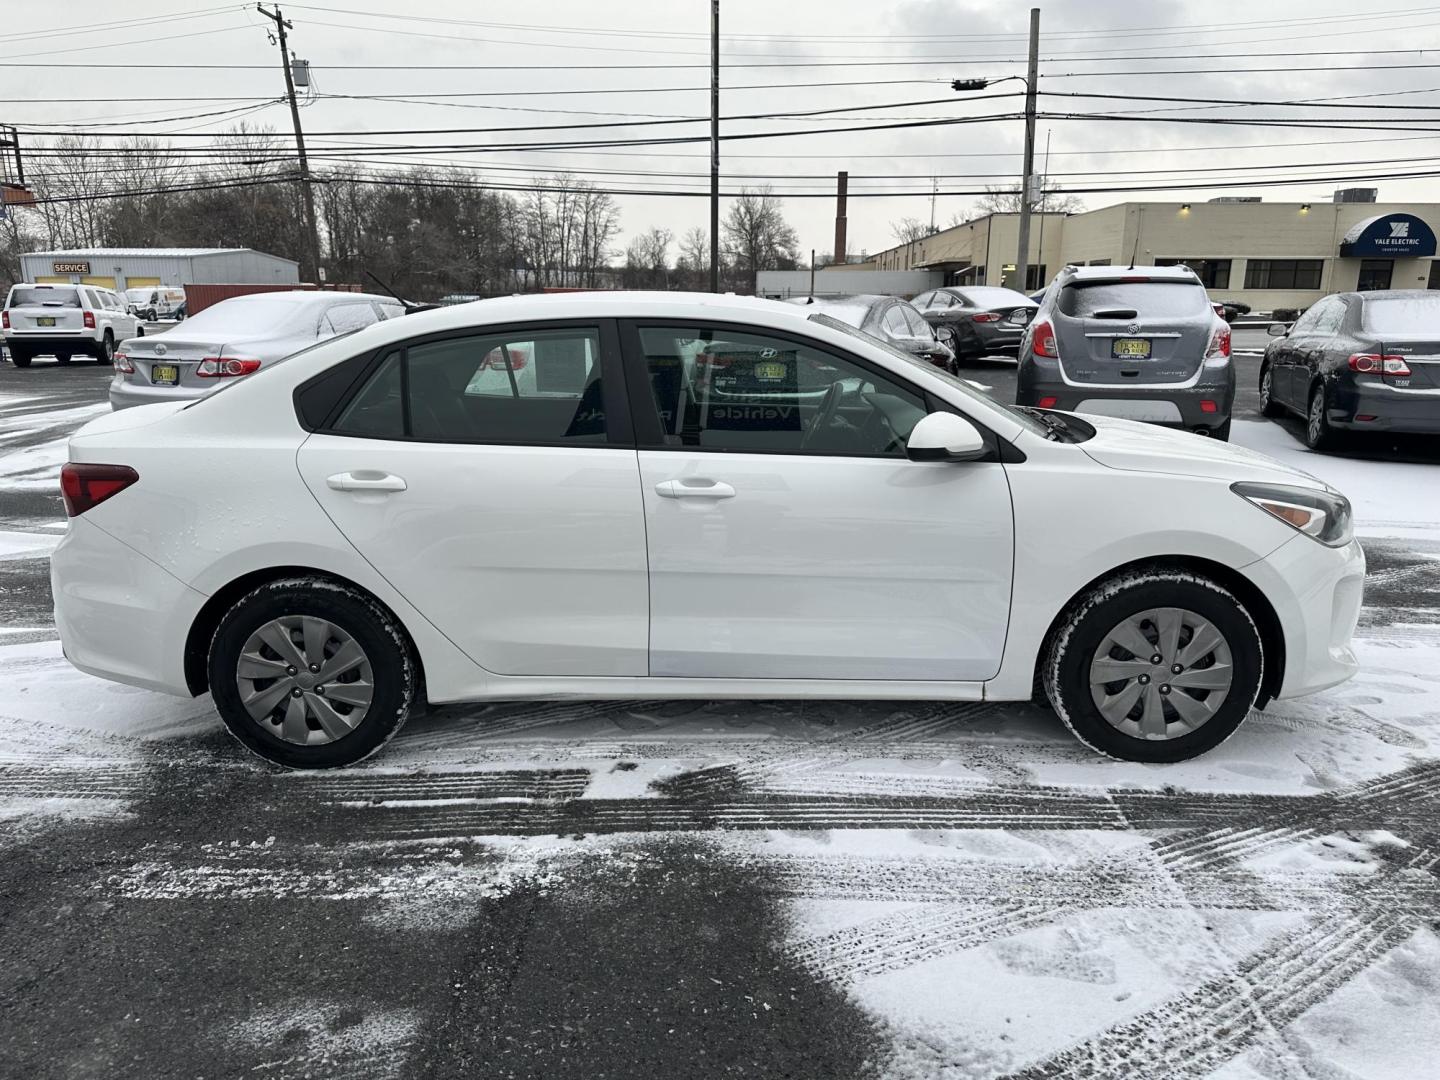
(48, 321)
(1130, 348)
(770, 371)
(164, 374)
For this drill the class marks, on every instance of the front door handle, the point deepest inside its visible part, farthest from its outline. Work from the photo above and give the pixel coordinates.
(365, 480)
(694, 488)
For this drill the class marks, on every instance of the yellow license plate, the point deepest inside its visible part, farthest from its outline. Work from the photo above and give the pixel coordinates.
(1131, 348)
(164, 374)
(50, 321)
(770, 371)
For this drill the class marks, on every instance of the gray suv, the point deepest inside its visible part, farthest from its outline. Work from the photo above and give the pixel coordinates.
(1141, 343)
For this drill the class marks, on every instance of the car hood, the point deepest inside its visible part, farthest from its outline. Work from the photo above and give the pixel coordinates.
(1136, 447)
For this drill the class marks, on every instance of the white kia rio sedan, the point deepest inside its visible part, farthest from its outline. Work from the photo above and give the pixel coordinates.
(670, 495)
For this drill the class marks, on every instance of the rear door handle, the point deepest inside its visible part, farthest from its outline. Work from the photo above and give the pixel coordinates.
(694, 488)
(365, 480)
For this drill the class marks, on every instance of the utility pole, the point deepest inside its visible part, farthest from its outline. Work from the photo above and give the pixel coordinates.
(842, 184)
(934, 190)
(1022, 259)
(312, 229)
(714, 146)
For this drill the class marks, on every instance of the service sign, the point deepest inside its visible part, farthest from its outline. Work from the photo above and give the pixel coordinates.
(1389, 236)
(71, 268)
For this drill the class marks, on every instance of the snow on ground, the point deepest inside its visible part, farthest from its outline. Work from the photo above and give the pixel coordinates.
(26, 545)
(1391, 498)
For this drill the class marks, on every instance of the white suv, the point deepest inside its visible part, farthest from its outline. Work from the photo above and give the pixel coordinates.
(63, 321)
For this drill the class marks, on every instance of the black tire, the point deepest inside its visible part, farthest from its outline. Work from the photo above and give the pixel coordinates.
(63, 357)
(1319, 435)
(105, 354)
(1089, 621)
(139, 330)
(395, 676)
(20, 357)
(1222, 432)
(1268, 405)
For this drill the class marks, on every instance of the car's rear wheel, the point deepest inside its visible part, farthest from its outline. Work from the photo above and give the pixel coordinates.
(1268, 405)
(311, 674)
(106, 353)
(62, 357)
(20, 356)
(1319, 435)
(1155, 665)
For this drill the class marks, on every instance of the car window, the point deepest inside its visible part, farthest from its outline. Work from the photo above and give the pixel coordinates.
(540, 386)
(918, 327)
(345, 317)
(716, 388)
(378, 410)
(90, 300)
(894, 322)
(43, 295)
(1306, 323)
(390, 311)
(1331, 315)
(1152, 299)
(923, 300)
(1402, 315)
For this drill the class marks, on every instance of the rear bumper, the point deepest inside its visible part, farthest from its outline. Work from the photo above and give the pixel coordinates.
(1395, 410)
(1316, 592)
(1177, 407)
(40, 340)
(125, 394)
(120, 616)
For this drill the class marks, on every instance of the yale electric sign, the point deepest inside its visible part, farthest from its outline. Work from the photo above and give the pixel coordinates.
(71, 268)
(1389, 236)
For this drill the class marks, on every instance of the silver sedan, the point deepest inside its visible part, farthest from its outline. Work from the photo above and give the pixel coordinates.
(235, 338)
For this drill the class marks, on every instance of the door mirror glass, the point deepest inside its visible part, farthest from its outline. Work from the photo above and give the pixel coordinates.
(1277, 329)
(943, 436)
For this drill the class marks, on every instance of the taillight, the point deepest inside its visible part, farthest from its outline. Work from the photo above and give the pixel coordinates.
(1047, 402)
(1043, 343)
(123, 364)
(85, 487)
(1208, 406)
(1219, 342)
(985, 316)
(225, 367)
(495, 359)
(89, 317)
(5, 319)
(1375, 364)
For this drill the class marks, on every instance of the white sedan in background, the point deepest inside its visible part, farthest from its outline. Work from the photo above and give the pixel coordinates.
(668, 495)
(235, 338)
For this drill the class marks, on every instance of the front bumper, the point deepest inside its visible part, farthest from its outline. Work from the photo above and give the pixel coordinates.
(120, 616)
(124, 394)
(1403, 412)
(1316, 592)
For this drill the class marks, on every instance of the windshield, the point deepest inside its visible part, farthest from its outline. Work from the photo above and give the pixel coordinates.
(1020, 417)
(1150, 299)
(1408, 315)
(245, 315)
(36, 296)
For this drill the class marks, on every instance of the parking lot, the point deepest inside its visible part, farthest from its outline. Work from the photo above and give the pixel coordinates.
(821, 889)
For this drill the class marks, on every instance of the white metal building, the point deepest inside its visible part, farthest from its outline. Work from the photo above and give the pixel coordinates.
(129, 268)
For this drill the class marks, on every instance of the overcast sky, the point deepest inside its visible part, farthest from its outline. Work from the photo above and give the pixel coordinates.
(924, 43)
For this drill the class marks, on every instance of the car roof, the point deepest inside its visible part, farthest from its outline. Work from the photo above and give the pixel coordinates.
(311, 296)
(848, 309)
(1115, 273)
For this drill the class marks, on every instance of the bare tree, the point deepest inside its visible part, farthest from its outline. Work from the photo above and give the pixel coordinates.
(907, 230)
(757, 236)
(1007, 200)
(646, 260)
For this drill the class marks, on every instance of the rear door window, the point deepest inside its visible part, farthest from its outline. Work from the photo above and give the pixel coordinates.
(1150, 299)
(343, 318)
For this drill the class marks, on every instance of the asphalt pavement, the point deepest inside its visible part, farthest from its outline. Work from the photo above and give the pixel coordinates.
(821, 889)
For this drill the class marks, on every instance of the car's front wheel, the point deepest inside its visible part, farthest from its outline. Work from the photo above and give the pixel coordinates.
(311, 674)
(1155, 665)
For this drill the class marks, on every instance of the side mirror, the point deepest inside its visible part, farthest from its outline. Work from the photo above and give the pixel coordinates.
(943, 436)
(1277, 329)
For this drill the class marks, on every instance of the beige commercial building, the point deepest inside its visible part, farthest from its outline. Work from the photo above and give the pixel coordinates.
(1268, 255)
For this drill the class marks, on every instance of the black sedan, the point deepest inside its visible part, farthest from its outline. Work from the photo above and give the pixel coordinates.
(1360, 361)
(889, 318)
(980, 320)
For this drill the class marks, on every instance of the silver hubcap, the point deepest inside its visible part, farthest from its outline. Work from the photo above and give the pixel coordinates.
(1317, 416)
(1265, 386)
(304, 679)
(1161, 674)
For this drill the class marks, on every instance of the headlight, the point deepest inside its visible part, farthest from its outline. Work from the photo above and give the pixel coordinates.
(1319, 514)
